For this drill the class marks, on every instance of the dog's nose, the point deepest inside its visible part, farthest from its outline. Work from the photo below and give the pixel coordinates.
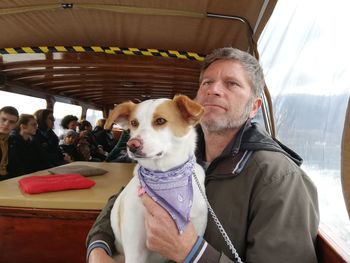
(134, 145)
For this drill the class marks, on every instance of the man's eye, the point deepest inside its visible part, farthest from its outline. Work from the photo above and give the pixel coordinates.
(160, 121)
(232, 83)
(134, 123)
(206, 82)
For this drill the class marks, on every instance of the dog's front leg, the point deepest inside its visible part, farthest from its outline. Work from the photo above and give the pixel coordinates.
(128, 224)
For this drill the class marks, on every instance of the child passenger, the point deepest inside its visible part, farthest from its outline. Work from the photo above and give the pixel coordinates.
(68, 146)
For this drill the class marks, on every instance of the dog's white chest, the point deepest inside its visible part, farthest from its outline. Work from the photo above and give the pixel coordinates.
(127, 220)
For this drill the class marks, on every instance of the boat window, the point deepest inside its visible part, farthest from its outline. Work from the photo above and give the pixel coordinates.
(93, 115)
(303, 51)
(24, 104)
(62, 109)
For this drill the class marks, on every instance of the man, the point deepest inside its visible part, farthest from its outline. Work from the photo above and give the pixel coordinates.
(8, 120)
(266, 204)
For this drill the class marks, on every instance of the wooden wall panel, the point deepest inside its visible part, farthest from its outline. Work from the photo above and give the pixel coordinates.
(48, 236)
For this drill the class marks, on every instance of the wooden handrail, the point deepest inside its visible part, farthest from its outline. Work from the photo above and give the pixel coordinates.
(331, 249)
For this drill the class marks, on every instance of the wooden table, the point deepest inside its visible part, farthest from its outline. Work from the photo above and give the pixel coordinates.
(52, 227)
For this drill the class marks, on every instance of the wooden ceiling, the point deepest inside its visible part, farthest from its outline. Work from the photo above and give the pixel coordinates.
(103, 79)
(65, 51)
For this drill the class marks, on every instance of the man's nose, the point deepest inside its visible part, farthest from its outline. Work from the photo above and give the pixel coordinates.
(215, 88)
(6, 123)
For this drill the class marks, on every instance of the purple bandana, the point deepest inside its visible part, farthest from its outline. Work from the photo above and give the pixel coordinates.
(172, 190)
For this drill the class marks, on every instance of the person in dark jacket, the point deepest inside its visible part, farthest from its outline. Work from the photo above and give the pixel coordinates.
(119, 153)
(69, 146)
(96, 150)
(48, 138)
(104, 136)
(265, 203)
(25, 153)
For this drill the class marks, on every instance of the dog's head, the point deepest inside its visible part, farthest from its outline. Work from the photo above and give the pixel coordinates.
(159, 129)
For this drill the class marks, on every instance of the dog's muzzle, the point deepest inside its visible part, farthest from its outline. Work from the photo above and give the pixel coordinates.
(134, 145)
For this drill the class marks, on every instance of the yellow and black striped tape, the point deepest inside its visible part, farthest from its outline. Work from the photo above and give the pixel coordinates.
(108, 50)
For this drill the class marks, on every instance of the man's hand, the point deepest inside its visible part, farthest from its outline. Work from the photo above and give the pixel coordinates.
(162, 234)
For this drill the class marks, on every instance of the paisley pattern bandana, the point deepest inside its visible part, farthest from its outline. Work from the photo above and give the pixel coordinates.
(172, 190)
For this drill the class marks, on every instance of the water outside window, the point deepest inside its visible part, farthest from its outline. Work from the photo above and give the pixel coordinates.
(304, 55)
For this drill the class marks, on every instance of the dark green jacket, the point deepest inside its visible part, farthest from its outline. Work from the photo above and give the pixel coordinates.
(119, 147)
(265, 202)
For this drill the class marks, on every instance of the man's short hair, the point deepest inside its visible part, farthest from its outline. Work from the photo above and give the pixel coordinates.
(10, 110)
(249, 63)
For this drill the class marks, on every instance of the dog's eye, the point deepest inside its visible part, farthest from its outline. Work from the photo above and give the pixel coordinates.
(160, 121)
(134, 123)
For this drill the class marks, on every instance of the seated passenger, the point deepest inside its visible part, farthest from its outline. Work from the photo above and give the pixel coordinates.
(25, 153)
(69, 122)
(69, 146)
(8, 120)
(96, 150)
(104, 136)
(48, 138)
(119, 153)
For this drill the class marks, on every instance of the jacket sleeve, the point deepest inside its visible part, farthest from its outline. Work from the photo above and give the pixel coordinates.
(15, 156)
(203, 252)
(101, 229)
(121, 144)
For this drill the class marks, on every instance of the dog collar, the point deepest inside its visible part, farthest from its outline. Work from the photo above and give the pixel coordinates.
(172, 190)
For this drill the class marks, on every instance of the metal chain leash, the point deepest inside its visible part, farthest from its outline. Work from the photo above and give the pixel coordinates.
(217, 222)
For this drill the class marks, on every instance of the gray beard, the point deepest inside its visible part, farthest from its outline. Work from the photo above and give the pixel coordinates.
(222, 125)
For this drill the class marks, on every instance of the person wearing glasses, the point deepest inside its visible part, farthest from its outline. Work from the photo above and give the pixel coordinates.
(25, 153)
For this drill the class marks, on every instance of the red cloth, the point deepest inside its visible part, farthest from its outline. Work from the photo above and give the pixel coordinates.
(51, 183)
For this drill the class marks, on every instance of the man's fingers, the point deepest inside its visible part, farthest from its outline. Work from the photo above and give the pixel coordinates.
(152, 207)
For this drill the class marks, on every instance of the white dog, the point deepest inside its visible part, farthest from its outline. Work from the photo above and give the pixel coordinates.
(163, 141)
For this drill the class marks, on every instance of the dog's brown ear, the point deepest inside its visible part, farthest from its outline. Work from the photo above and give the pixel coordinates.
(120, 114)
(190, 110)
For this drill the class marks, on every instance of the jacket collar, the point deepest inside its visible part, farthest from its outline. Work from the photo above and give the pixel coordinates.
(250, 138)
(230, 150)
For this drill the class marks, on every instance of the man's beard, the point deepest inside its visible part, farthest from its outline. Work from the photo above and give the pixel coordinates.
(228, 122)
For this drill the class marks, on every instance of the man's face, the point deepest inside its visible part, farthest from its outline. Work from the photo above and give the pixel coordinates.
(226, 95)
(7, 122)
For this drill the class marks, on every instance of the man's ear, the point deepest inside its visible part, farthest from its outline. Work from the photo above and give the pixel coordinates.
(190, 110)
(256, 106)
(120, 114)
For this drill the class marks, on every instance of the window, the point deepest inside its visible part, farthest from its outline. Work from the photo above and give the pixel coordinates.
(304, 55)
(93, 115)
(24, 104)
(62, 109)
